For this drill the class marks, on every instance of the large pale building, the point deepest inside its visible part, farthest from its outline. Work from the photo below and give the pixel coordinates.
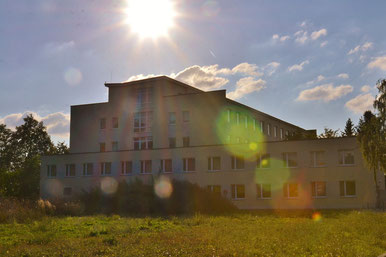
(160, 127)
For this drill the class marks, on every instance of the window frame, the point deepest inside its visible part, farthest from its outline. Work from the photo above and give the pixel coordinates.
(147, 142)
(286, 160)
(87, 166)
(144, 167)
(102, 147)
(52, 171)
(186, 142)
(260, 160)
(125, 171)
(104, 166)
(114, 146)
(287, 192)
(102, 123)
(215, 189)
(342, 158)
(345, 195)
(313, 159)
(185, 164)
(163, 165)
(211, 163)
(235, 191)
(68, 170)
(314, 189)
(235, 162)
(260, 191)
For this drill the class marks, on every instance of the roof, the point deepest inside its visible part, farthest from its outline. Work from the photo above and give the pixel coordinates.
(153, 79)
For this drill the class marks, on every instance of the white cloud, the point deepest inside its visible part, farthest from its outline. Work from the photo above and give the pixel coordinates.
(298, 67)
(271, 68)
(52, 48)
(323, 44)
(301, 36)
(326, 92)
(141, 76)
(201, 77)
(361, 103)
(248, 69)
(246, 86)
(365, 88)
(366, 46)
(378, 62)
(343, 76)
(57, 124)
(317, 34)
(284, 38)
(317, 79)
(275, 37)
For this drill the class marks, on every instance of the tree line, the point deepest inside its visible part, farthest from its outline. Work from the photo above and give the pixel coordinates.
(20, 152)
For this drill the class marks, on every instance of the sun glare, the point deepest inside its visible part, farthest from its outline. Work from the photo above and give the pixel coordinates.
(150, 18)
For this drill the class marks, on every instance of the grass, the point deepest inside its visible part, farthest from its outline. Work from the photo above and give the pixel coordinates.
(338, 233)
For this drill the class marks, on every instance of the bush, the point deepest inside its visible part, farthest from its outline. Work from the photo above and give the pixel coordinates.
(137, 198)
(21, 211)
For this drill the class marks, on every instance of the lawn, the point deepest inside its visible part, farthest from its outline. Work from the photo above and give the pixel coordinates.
(336, 233)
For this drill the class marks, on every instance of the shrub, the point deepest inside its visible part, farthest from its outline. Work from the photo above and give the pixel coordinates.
(19, 210)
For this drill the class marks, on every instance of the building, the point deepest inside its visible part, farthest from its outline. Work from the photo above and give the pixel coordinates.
(160, 126)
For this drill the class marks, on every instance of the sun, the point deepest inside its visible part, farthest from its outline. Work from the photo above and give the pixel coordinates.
(150, 18)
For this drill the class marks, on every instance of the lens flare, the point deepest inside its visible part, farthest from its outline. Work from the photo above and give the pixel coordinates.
(109, 185)
(240, 133)
(163, 187)
(73, 76)
(316, 216)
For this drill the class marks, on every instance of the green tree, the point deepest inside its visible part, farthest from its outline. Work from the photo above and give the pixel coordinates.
(5, 148)
(380, 101)
(60, 148)
(349, 129)
(329, 133)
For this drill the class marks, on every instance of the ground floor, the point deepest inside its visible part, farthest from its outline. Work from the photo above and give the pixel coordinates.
(328, 173)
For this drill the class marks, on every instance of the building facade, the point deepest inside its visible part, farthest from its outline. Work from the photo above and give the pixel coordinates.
(162, 127)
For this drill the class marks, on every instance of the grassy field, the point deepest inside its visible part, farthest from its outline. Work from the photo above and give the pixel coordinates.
(344, 233)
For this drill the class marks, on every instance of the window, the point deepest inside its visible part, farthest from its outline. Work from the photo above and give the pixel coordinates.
(105, 168)
(237, 162)
(263, 191)
(317, 159)
(67, 191)
(238, 191)
(286, 133)
(347, 188)
(172, 118)
(281, 134)
(290, 160)
(263, 161)
(115, 122)
(290, 190)
(146, 166)
(214, 163)
(346, 157)
(172, 142)
(70, 170)
(268, 129)
(102, 147)
(142, 120)
(185, 141)
(142, 143)
(237, 118)
(274, 131)
(189, 164)
(246, 121)
(229, 115)
(114, 146)
(167, 165)
(216, 189)
(126, 168)
(318, 189)
(102, 123)
(185, 116)
(51, 171)
(262, 126)
(88, 169)
(144, 96)
(254, 124)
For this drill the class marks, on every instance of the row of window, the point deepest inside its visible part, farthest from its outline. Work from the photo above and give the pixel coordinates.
(143, 120)
(143, 143)
(268, 129)
(347, 188)
(189, 164)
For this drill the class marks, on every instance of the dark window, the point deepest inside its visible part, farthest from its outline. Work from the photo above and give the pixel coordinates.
(237, 162)
(70, 170)
(189, 164)
(102, 147)
(166, 165)
(115, 122)
(172, 142)
(126, 167)
(146, 166)
(185, 141)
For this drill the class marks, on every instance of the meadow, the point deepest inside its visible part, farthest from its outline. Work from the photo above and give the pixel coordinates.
(332, 233)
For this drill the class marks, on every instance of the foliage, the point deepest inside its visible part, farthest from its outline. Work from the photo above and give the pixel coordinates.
(329, 133)
(349, 129)
(20, 152)
(137, 198)
(338, 233)
(300, 135)
(380, 101)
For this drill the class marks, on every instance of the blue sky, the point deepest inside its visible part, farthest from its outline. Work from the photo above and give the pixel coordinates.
(311, 63)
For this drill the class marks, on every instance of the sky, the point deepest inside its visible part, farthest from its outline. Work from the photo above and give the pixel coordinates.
(311, 63)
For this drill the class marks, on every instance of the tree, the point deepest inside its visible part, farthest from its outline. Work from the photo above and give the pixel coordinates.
(329, 133)
(380, 101)
(5, 148)
(348, 129)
